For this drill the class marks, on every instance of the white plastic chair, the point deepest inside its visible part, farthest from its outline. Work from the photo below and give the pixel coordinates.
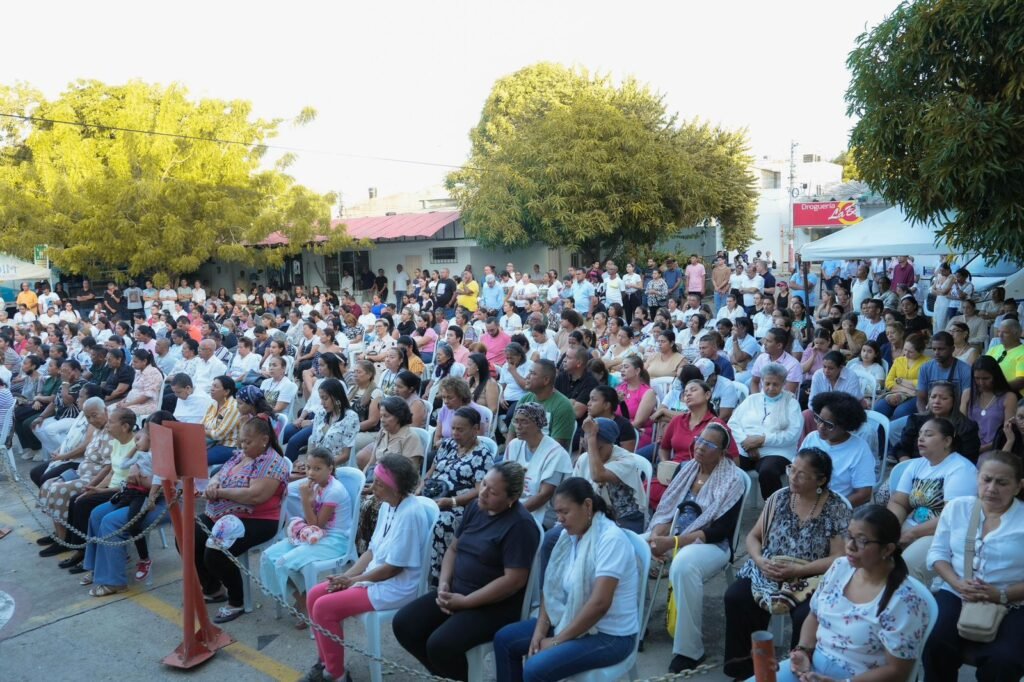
(424, 437)
(243, 558)
(647, 473)
(353, 480)
(374, 621)
(661, 386)
(875, 420)
(743, 390)
(895, 474)
(5, 431)
(475, 656)
(487, 416)
(628, 665)
(280, 422)
(489, 445)
(933, 615)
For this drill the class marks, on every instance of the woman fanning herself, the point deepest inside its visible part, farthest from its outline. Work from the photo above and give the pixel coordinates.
(795, 540)
(387, 574)
(588, 617)
(708, 493)
(997, 574)
(940, 474)
(867, 621)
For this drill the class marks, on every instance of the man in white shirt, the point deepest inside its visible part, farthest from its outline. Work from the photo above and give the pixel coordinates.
(751, 283)
(24, 316)
(400, 283)
(554, 292)
(861, 288)
(48, 300)
(49, 316)
(692, 307)
(244, 361)
(208, 368)
(542, 346)
(612, 286)
(763, 319)
(191, 406)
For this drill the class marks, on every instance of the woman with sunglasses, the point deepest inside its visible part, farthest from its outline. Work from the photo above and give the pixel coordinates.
(707, 493)
(867, 618)
(997, 569)
(797, 538)
(942, 404)
(837, 416)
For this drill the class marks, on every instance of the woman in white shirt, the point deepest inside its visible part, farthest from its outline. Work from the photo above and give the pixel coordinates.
(510, 322)
(167, 297)
(998, 573)
(386, 576)
(940, 474)
(279, 390)
(588, 614)
(69, 314)
(546, 462)
(837, 416)
(767, 427)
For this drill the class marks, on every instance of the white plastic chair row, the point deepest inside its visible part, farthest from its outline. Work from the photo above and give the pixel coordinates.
(5, 431)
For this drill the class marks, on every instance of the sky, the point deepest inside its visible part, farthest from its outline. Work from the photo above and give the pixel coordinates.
(406, 80)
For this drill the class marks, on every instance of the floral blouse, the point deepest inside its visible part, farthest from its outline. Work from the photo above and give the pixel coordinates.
(236, 475)
(856, 639)
(336, 435)
(461, 472)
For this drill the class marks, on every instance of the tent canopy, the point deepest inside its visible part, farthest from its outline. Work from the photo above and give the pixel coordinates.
(12, 269)
(890, 233)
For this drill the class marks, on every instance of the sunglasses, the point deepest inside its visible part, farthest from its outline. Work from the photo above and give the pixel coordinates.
(706, 443)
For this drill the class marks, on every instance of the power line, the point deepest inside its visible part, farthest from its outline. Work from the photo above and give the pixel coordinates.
(196, 138)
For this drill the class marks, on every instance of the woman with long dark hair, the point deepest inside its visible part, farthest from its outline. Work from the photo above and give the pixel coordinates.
(990, 402)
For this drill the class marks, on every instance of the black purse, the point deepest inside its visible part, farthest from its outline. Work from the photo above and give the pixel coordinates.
(436, 489)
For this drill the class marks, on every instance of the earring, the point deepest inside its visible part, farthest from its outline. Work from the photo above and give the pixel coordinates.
(819, 489)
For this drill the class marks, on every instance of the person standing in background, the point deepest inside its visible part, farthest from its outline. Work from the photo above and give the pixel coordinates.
(695, 275)
(401, 283)
(721, 277)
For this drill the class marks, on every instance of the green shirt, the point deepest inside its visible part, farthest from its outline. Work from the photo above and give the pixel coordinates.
(561, 416)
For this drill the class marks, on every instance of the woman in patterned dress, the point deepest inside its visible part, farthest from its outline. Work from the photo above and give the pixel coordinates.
(460, 464)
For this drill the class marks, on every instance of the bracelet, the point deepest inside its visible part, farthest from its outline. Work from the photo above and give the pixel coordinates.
(809, 650)
(455, 503)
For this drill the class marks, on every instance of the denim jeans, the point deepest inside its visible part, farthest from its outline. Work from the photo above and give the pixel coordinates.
(108, 563)
(559, 662)
(819, 664)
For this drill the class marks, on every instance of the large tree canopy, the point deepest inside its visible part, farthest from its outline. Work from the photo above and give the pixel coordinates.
(569, 159)
(938, 88)
(111, 200)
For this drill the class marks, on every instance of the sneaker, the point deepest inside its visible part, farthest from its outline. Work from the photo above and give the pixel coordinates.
(142, 569)
(680, 663)
(39, 457)
(27, 455)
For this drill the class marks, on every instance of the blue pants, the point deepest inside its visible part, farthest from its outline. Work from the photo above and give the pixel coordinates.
(107, 563)
(719, 301)
(218, 454)
(904, 409)
(648, 452)
(1000, 660)
(559, 662)
(296, 440)
(819, 664)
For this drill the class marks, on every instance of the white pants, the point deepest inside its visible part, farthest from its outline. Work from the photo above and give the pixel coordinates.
(941, 314)
(690, 569)
(51, 433)
(916, 556)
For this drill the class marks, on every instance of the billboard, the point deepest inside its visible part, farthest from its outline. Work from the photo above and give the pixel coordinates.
(825, 214)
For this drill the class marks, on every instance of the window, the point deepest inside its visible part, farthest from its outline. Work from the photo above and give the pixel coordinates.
(445, 254)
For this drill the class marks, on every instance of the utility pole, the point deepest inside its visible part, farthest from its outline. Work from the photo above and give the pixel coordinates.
(790, 247)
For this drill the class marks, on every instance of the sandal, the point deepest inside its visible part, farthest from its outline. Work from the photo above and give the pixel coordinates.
(105, 590)
(226, 614)
(86, 579)
(217, 597)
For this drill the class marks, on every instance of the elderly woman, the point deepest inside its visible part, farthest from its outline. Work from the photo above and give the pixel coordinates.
(707, 493)
(677, 444)
(455, 394)
(793, 542)
(837, 416)
(940, 474)
(942, 403)
(386, 575)
(395, 436)
(483, 578)
(767, 428)
(365, 398)
(546, 462)
(991, 522)
(222, 421)
(460, 464)
(866, 618)
(250, 487)
(588, 616)
(147, 386)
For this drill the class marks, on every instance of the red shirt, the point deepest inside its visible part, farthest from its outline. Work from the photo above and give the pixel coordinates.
(496, 349)
(903, 274)
(679, 438)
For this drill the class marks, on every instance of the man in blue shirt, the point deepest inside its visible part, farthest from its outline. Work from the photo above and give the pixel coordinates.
(673, 278)
(742, 347)
(944, 367)
(710, 347)
(831, 270)
(582, 291)
(797, 285)
(493, 294)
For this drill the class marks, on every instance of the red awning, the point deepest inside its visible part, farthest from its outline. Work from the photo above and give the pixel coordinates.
(384, 227)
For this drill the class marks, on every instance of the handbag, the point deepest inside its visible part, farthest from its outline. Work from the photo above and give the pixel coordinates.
(436, 489)
(979, 621)
(793, 592)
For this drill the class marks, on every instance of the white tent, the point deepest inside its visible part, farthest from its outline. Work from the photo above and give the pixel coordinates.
(890, 233)
(12, 269)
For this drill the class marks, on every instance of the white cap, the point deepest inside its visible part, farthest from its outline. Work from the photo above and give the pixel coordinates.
(706, 367)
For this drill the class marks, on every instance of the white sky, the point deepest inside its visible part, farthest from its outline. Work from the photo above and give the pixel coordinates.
(407, 79)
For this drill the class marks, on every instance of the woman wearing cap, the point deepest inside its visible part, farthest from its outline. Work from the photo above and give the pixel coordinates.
(707, 492)
(386, 576)
(613, 473)
(546, 462)
(767, 426)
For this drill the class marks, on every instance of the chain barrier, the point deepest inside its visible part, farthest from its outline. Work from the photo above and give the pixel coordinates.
(104, 540)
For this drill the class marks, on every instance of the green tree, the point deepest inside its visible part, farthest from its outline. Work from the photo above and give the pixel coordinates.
(569, 159)
(850, 171)
(938, 88)
(111, 200)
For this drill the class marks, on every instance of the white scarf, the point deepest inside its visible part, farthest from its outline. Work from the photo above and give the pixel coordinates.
(721, 491)
(563, 605)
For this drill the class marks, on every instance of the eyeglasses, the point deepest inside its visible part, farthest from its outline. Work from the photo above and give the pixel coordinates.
(823, 422)
(859, 543)
(698, 441)
(798, 475)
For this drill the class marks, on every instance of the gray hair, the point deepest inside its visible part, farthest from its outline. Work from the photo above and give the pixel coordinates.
(775, 369)
(94, 403)
(1012, 326)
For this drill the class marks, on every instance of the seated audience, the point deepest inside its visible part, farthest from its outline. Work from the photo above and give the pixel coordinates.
(837, 416)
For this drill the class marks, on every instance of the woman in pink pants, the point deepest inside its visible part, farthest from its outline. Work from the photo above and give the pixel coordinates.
(385, 577)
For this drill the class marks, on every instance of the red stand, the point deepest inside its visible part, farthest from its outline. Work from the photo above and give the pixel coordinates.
(179, 452)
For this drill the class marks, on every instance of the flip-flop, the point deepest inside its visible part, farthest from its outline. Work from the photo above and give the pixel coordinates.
(105, 590)
(218, 598)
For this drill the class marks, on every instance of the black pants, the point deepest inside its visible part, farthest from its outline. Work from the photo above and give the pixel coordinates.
(440, 641)
(769, 472)
(743, 617)
(630, 302)
(215, 569)
(23, 418)
(999, 661)
(79, 511)
(40, 475)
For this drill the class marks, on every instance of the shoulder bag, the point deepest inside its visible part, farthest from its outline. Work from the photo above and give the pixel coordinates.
(979, 621)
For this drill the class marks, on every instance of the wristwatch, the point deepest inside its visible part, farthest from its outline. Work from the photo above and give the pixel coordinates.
(1004, 598)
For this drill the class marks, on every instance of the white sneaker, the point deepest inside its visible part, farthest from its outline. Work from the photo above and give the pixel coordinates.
(27, 455)
(40, 457)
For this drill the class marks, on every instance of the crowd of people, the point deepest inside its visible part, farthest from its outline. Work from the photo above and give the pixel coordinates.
(552, 419)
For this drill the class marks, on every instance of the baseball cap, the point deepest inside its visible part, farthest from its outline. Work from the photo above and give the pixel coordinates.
(706, 367)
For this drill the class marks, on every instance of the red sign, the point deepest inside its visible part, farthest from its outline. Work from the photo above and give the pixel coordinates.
(825, 214)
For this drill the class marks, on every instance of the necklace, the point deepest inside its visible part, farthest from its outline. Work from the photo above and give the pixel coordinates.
(792, 507)
(984, 408)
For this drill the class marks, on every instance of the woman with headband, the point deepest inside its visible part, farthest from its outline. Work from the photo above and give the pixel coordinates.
(387, 574)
